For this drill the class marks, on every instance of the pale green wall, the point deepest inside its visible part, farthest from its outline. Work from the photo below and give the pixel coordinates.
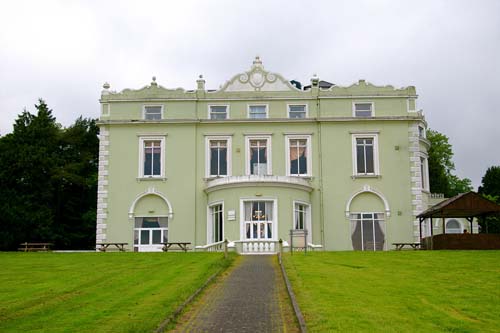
(185, 127)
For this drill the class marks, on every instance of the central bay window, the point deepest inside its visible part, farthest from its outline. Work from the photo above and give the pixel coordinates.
(216, 223)
(365, 155)
(151, 158)
(367, 231)
(258, 155)
(298, 155)
(258, 219)
(218, 160)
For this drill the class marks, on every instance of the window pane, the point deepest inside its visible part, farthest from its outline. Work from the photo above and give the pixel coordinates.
(257, 111)
(144, 236)
(258, 157)
(150, 222)
(156, 236)
(368, 241)
(363, 109)
(363, 106)
(148, 161)
(298, 156)
(223, 162)
(369, 160)
(297, 111)
(156, 161)
(152, 113)
(360, 158)
(218, 112)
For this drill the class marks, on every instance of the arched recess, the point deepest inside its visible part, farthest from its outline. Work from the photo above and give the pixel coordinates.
(368, 189)
(150, 191)
(454, 226)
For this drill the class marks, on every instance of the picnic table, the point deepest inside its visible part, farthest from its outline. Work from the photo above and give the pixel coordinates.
(32, 247)
(181, 246)
(400, 246)
(104, 246)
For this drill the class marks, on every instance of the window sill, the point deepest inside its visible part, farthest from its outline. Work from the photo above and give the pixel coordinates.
(366, 176)
(209, 178)
(306, 177)
(147, 179)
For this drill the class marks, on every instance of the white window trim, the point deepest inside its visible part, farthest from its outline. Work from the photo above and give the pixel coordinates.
(209, 111)
(384, 230)
(308, 218)
(210, 222)
(424, 132)
(408, 104)
(141, 156)
(207, 155)
(287, 154)
(154, 105)
(269, 152)
(306, 109)
(376, 167)
(257, 104)
(105, 109)
(275, 217)
(424, 185)
(362, 102)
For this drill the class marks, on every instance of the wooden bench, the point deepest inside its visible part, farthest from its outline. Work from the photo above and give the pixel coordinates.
(400, 246)
(104, 246)
(35, 247)
(179, 246)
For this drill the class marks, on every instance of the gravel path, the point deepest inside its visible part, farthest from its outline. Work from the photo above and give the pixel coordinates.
(250, 298)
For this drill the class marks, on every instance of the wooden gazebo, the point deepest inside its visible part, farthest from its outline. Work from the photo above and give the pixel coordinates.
(466, 205)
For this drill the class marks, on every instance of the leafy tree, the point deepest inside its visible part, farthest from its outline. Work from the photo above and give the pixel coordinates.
(490, 189)
(441, 167)
(48, 178)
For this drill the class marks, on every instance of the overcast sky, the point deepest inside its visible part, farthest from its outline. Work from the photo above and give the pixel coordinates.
(63, 51)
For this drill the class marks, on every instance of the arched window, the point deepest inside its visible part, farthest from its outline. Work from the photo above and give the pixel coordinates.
(453, 227)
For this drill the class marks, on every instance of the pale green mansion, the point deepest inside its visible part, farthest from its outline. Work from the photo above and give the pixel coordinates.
(259, 157)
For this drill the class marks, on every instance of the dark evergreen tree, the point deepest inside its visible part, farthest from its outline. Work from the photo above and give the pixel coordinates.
(490, 189)
(48, 181)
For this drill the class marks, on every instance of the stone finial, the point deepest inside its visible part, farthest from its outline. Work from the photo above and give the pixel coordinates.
(105, 87)
(315, 80)
(153, 83)
(257, 62)
(200, 83)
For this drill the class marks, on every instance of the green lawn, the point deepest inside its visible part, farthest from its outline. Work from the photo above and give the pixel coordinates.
(97, 292)
(404, 291)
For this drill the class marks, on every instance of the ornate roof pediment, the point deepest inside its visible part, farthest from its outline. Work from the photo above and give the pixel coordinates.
(363, 87)
(152, 91)
(257, 79)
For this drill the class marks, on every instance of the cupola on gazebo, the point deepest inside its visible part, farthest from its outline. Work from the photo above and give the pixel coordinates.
(466, 205)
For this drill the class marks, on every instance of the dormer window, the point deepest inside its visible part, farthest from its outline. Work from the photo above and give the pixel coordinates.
(363, 109)
(153, 112)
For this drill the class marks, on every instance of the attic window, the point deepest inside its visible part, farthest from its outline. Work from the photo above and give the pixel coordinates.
(153, 112)
(364, 109)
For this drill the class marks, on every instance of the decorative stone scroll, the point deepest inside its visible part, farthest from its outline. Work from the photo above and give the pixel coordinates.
(257, 79)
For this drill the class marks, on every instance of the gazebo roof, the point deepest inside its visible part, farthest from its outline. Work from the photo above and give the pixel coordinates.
(466, 205)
